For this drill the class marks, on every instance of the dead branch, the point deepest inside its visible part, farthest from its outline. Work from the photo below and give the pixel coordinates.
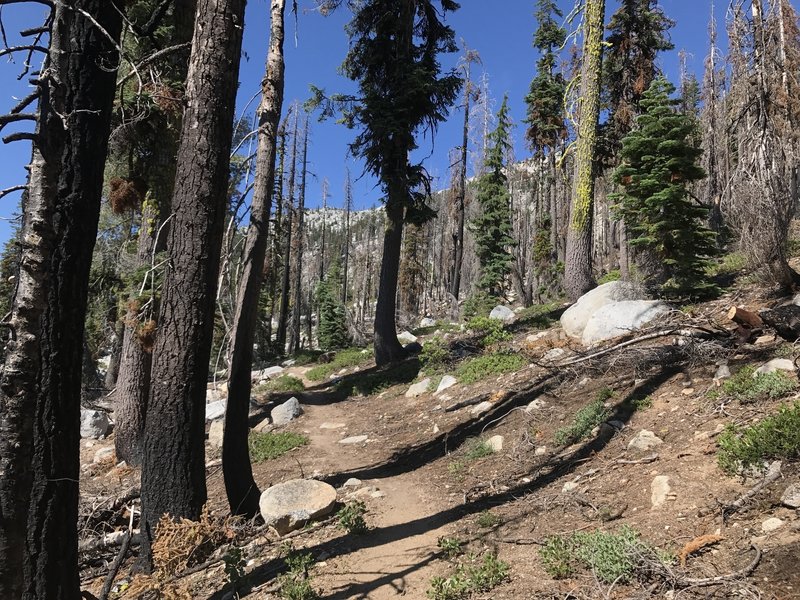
(684, 582)
(110, 540)
(773, 473)
(12, 189)
(114, 568)
(19, 136)
(153, 58)
(468, 402)
(26, 101)
(641, 461)
(15, 117)
(26, 48)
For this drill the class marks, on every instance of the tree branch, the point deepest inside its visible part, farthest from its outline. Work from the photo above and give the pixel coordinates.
(19, 136)
(12, 189)
(29, 47)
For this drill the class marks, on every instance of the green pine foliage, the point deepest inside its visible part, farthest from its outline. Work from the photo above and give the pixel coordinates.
(332, 323)
(492, 229)
(545, 100)
(659, 162)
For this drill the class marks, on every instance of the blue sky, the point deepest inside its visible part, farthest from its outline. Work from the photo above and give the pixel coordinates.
(501, 31)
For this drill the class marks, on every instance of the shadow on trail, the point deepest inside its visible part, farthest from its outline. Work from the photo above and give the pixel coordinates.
(546, 473)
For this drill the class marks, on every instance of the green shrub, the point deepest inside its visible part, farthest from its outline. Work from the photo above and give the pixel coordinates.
(470, 578)
(477, 449)
(487, 519)
(614, 275)
(435, 353)
(369, 383)
(450, 546)
(491, 330)
(234, 565)
(351, 517)
(537, 316)
(266, 446)
(612, 557)
(351, 357)
(729, 264)
(306, 357)
(295, 583)
(479, 304)
(586, 419)
(747, 389)
(481, 367)
(776, 437)
(284, 383)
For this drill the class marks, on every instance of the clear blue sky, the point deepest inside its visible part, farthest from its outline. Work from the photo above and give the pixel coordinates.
(501, 31)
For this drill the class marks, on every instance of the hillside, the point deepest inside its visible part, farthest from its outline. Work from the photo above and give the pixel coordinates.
(545, 471)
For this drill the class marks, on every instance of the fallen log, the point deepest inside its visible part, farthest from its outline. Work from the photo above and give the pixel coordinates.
(742, 316)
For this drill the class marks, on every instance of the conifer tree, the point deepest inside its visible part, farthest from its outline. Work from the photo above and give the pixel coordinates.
(659, 162)
(332, 324)
(492, 229)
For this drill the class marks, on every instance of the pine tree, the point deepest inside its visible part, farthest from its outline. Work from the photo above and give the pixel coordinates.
(659, 161)
(545, 100)
(492, 229)
(332, 330)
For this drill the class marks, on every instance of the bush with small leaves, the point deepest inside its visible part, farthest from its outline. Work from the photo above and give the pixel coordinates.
(586, 419)
(351, 517)
(746, 387)
(295, 583)
(487, 519)
(472, 577)
(450, 546)
(266, 446)
(488, 365)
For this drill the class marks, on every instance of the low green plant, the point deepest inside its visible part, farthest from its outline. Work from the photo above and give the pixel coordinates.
(435, 353)
(586, 419)
(267, 446)
(295, 583)
(537, 316)
(776, 437)
(306, 357)
(747, 388)
(611, 556)
(491, 330)
(350, 357)
(481, 367)
(472, 577)
(479, 304)
(642, 403)
(234, 565)
(477, 449)
(451, 547)
(613, 275)
(487, 519)
(375, 381)
(728, 264)
(351, 517)
(284, 383)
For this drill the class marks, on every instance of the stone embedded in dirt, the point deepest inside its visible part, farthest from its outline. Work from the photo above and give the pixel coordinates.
(447, 382)
(533, 405)
(406, 338)
(94, 424)
(687, 391)
(215, 410)
(776, 364)
(554, 354)
(540, 451)
(286, 412)
(481, 408)
(427, 322)
(660, 491)
(645, 441)
(723, 372)
(215, 433)
(103, 455)
(264, 426)
(271, 372)
(356, 439)
(352, 483)
(495, 443)
(791, 496)
(290, 505)
(502, 313)
(435, 429)
(771, 524)
(327, 425)
(620, 318)
(418, 388)
(575, 318)
(535, 337)
(570, 486)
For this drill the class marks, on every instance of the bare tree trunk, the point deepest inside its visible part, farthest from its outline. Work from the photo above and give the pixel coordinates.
(387, 347)
(578, 276)
(461, 193)
(173, 468)
(294, 343)
(348, 205)
(283, 317)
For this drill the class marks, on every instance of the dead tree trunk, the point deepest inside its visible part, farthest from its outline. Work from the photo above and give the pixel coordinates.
(283, 316)
(294, 343)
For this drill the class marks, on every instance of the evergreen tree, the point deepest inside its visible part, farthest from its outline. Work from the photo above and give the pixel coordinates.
(545, 100)
(332, 331)
(659, 162)
(492, 229)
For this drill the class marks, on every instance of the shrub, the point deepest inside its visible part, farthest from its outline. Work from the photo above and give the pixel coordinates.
(585, 420)
(284, 383)
(351, 517)
(295, 583)
(434, 354)
(470, 578)
(266, 446)
(491, 329)
(485, 366)
(614, 275)
(487, 519)
(538, 316)
(450, 546)
(747, 389)
(479, 304)
(369, 383)
(351, 357)
(478, 449)
(776, 437)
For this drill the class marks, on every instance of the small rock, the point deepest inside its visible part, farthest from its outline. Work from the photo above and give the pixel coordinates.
(94, 424)
(644, 441)
(764, 339)
(289, 362)
(791, 496)
(570, 486)
(447, 382)
(215, 410)
(776, 364)
(535, 337)
(418, 388)
(502, 313)
(771, 525)
(540, 451)
(215, 433)
(659, 491)
(377, 494)
(290, 505)
(286, 412)
(687, 391)
(533, 405)
(481, 408)
(328, 425)
(406, 338)
(356, 439)
(723, 372)
(427, 322)
(554, 354)
(352, 483)
(435, 428)
(264, 426)
(495, 443)
(103, 455)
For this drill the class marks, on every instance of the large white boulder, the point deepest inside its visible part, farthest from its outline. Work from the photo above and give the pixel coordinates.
(502, 313)
(286, 412)
(291, 504)
(94, 424)
(215, 410)
(575, 318)
(618, 318)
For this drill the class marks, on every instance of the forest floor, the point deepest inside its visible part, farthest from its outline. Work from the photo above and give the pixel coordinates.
(430, 485)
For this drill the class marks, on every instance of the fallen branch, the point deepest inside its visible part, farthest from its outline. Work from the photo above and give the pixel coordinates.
(773, 472)
(110, 540)
(641, 461)
(684, 582)
(469, 402)
(114, 568)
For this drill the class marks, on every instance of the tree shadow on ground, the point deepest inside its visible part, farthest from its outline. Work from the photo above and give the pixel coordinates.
(544, 473)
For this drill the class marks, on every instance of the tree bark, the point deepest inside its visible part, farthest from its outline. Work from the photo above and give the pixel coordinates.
(283, 315)
(387, 347)
(461, 193)
(173, 468)
(241, 489)
(578, 276)
(40, 389)
(294, 343)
